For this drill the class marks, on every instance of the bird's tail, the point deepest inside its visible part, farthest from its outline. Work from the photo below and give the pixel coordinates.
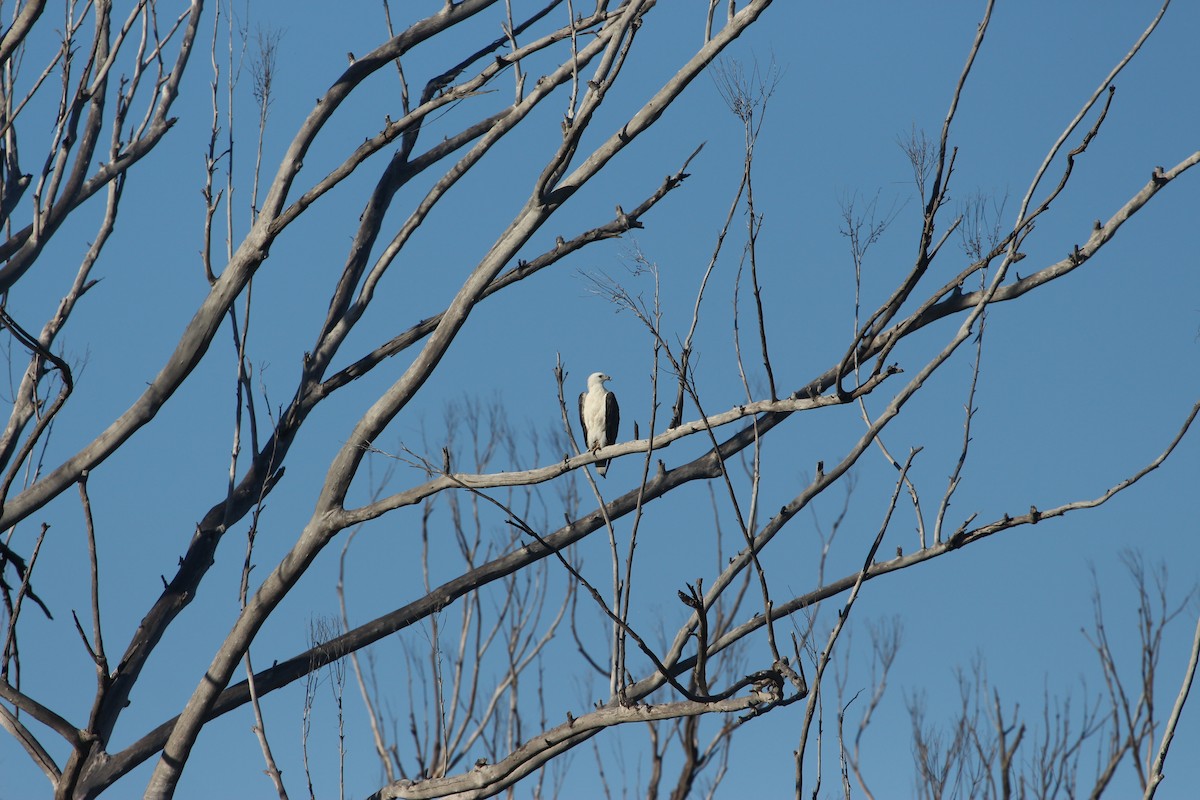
(602, 467)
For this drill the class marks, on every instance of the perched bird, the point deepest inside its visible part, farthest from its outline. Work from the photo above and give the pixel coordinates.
(600, 416)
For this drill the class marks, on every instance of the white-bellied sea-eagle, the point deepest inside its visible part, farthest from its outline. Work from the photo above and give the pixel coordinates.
(600, 416)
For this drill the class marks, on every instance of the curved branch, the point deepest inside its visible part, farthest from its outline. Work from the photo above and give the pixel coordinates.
(25, 703)
(31, 745)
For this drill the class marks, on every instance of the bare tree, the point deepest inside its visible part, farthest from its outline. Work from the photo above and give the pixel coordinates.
(994, 749)
(516, 578)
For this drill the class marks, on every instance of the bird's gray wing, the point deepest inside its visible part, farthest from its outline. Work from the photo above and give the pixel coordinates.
(612, 418)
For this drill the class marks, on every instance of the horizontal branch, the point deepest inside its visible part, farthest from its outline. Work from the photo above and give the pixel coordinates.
(489, 779)
(531, 477)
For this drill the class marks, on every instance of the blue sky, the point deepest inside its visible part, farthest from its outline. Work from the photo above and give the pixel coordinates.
(1082, 383)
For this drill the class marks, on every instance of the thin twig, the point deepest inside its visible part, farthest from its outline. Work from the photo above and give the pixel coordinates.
(827, 653)
(1156, 770)
(97, 647)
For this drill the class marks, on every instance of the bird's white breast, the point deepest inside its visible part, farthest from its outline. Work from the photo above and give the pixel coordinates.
(593, 417)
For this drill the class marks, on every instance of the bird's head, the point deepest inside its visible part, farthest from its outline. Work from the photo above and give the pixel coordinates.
(597, 379)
